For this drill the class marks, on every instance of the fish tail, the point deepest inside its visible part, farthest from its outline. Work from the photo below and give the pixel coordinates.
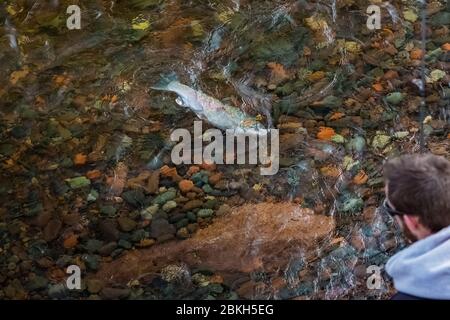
(165, 80)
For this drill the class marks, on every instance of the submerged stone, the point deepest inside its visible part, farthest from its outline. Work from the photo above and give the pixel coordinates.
(78, 182)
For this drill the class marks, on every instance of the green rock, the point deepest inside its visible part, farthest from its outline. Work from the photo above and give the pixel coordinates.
(427, 129)
(207, 188)
(357, 144)
(124, 244)
(286, 89)
(138, 235)
(182, 223)
(375, 182)
(169, 206)
(91, 261)
(210, 204)
(93, 245)
(58, 291)
(380, 141)
(439, 19)
(215, 288)
(410, 15)
(445, 94)
(149, 212)
(78, 182)
(352, 205)
(164, 197)
(332, 102)
(191, 216)
(395, 98)
(205, 213)
(350, 164)
(337, 138)
(66, 163)
(200, 178)
(134, 197)
(277, 49)
(108, 210)
(401, 134)
(92, 196)
(174, 218)
(37, 283)
(433, 55)
(126, 224)
(436, 75)
(64, 133)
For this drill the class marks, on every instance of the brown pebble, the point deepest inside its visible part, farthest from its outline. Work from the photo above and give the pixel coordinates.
(52, 229)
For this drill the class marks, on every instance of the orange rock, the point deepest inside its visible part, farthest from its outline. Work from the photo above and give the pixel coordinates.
(377, 87)
(167, 171)
(192, 170)
(216, 279)
(446, 46)
(61, 80)
(316, 76)
(390, 75)
(330, 171)
(278, 72)
(119, 180)
(360, 178)
(325, 133)
(56, 274)
(80, 159)
(71, 241)
(215, 178)
(208, 167)
(93, 174)
(146, 243)
(185, 185)
(416, 54)
(336, 116)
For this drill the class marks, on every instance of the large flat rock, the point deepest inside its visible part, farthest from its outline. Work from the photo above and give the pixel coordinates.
(253, 237)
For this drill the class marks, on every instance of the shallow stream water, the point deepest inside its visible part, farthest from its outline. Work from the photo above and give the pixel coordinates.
(85, 147)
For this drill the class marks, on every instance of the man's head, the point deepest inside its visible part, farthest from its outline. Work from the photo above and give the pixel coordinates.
(418, 193)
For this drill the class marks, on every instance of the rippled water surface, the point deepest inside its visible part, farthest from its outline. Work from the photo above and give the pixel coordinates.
(86, 174)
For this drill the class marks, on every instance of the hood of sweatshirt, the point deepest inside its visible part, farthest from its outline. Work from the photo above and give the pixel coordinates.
(423, 269)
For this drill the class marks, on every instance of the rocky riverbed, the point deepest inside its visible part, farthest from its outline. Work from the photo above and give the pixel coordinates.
(86, 176)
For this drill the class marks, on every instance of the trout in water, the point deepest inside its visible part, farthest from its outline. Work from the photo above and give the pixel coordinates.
(210, 109)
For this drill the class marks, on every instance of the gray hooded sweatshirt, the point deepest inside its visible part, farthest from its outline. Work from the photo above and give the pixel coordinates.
(423, 269)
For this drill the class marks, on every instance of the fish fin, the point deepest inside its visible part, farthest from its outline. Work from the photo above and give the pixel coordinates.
(165, 80)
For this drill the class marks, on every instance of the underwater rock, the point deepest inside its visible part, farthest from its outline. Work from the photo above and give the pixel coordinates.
(395, 98)
(279, 229)
(78, 182)
(169, 205)
(161, 227)
(164, 197)
(126, 224)
(205, 213)
(380, 141)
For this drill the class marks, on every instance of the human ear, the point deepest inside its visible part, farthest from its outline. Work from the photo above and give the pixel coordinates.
(415, 227)
(412, 222)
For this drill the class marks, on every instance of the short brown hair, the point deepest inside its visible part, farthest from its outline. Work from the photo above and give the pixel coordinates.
(420, 185)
